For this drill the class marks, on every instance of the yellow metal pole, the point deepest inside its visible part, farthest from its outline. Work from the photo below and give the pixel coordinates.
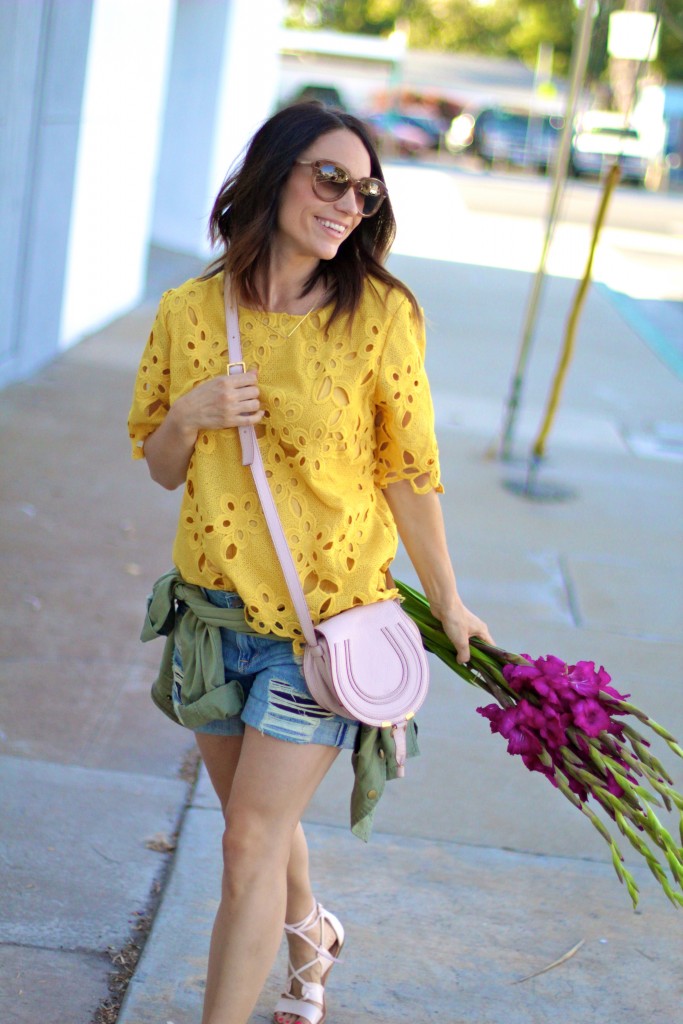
(538, 450)
(580, 55)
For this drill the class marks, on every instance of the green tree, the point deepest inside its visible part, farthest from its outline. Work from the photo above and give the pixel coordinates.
(503, 28)
(497, 28)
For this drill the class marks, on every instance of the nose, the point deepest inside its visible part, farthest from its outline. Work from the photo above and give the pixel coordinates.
(348, 203)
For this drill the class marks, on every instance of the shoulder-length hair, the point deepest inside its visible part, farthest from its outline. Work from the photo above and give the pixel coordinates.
(244, 215)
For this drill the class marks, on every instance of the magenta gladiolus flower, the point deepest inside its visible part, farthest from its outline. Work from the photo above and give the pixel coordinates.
(604, 679)
(554, 728)
(494, 713)
(569, 724)
(582, 678)
(514, 726)
(590, 716)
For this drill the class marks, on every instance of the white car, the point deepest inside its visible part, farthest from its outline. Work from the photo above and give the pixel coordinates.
(603, 138)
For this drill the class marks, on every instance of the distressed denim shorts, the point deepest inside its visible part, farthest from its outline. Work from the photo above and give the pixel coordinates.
(277, 701)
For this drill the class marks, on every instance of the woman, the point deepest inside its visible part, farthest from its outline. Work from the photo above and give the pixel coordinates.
(337, 393)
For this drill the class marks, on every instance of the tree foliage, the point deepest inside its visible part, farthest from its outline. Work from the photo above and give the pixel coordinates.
(497, 28)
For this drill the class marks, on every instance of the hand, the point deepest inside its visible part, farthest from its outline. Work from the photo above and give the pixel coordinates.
(226, 401)
(459, 624)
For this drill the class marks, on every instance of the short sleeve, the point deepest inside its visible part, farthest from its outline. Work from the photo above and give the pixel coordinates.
(151, 396)
(406, 447)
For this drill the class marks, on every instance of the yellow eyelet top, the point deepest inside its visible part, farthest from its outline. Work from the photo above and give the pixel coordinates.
(348, 411)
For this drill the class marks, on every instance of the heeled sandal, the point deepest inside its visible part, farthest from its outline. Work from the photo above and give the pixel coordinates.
(310, 1005)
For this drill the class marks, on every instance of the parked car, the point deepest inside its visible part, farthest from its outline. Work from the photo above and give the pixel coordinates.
(403, 133)
(516, 138)
(328, 95)
(603, 138)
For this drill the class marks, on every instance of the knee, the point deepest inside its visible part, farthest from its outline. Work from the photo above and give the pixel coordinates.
(252, 851)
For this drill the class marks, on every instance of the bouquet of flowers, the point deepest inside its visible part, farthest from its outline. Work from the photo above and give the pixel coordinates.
(570, 724)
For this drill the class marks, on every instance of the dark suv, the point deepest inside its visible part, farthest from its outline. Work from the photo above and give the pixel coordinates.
(516, 138)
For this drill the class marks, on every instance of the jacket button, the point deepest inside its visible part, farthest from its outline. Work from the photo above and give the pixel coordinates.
(372, 794)
(382, 755)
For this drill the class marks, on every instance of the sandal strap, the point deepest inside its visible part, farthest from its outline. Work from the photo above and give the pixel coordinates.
(312, 918)
(316, 916)
(308, 1011)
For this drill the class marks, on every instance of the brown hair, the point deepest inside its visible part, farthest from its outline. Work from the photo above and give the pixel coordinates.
(244, 215)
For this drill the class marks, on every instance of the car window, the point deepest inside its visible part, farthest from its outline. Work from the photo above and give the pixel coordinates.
(620, 133)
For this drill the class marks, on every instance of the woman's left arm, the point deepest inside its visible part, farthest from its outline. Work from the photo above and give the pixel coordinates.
(420, 524)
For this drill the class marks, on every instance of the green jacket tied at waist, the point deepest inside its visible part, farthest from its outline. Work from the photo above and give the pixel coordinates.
(206, 695)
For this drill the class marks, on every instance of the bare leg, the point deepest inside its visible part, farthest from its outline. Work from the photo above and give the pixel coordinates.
(220, 755)
(272, 783)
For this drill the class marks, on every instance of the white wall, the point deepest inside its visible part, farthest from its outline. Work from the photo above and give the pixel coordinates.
(43, 51)
(250, 81)
(83, 87)
(223, 84)
(121, 124)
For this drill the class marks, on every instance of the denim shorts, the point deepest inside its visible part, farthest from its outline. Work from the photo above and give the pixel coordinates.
(277, 701)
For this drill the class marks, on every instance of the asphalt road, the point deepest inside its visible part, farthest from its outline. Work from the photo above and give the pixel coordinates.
(526, 193)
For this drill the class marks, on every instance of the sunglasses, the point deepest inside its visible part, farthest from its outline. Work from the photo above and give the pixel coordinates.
(330, 182)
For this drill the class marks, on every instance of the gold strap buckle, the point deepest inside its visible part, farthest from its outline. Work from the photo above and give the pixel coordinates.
(243, 367)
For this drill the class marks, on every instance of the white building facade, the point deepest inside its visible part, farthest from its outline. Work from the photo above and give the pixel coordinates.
(118, 122)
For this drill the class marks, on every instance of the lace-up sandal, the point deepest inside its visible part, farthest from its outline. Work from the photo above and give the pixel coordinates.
(310, 1005)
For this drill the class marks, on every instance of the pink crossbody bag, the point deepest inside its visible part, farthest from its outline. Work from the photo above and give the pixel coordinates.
(367, 663)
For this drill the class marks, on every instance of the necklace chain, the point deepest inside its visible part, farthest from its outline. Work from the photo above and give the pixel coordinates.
(296, 326)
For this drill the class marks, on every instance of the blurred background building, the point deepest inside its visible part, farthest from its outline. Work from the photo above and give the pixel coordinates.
(119, 120)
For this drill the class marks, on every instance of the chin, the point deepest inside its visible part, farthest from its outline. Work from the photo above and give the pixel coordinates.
(327, 252)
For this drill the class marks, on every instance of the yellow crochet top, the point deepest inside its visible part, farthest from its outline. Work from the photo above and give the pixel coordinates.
(348, 411)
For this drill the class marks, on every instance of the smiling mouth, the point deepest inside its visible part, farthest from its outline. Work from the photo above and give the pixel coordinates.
(338, 229)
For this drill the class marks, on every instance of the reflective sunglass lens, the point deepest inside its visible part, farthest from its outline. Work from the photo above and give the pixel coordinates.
(331, 182)
(368, 205)
(370, 195)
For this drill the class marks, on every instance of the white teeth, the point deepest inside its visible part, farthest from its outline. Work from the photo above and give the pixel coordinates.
(339, 228)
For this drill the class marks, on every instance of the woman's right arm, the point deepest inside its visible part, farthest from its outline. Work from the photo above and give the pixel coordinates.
(226, 401)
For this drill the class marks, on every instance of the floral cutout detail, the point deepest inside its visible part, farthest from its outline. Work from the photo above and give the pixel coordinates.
(347, 412)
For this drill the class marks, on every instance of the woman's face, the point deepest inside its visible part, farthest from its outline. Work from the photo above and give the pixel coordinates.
(308, 227)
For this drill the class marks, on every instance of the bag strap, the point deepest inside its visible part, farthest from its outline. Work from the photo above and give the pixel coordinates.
(251, 456)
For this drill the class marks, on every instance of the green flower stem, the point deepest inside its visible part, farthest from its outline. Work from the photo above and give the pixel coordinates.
(676, 867)
(652, 862)
(640, 747)
(605, 762)
(624, 876)
(663, 834)
(589, 778)
(643, 849)
(661, 838)
(590, 761)
(669, 796)
(629, 708)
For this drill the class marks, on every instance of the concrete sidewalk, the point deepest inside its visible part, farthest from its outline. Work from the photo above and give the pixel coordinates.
(479, 874)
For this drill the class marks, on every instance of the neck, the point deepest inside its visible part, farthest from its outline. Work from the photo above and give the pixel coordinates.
(286, 281)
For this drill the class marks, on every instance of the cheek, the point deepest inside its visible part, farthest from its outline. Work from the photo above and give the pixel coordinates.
(290, 205)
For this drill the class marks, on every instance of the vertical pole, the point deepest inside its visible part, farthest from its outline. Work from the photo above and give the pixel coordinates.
(579, 63)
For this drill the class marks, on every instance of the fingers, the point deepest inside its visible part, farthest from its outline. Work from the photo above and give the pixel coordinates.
(460, 632)
(462, 651)
(248, 408)
(225, 401)
(483, 633)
